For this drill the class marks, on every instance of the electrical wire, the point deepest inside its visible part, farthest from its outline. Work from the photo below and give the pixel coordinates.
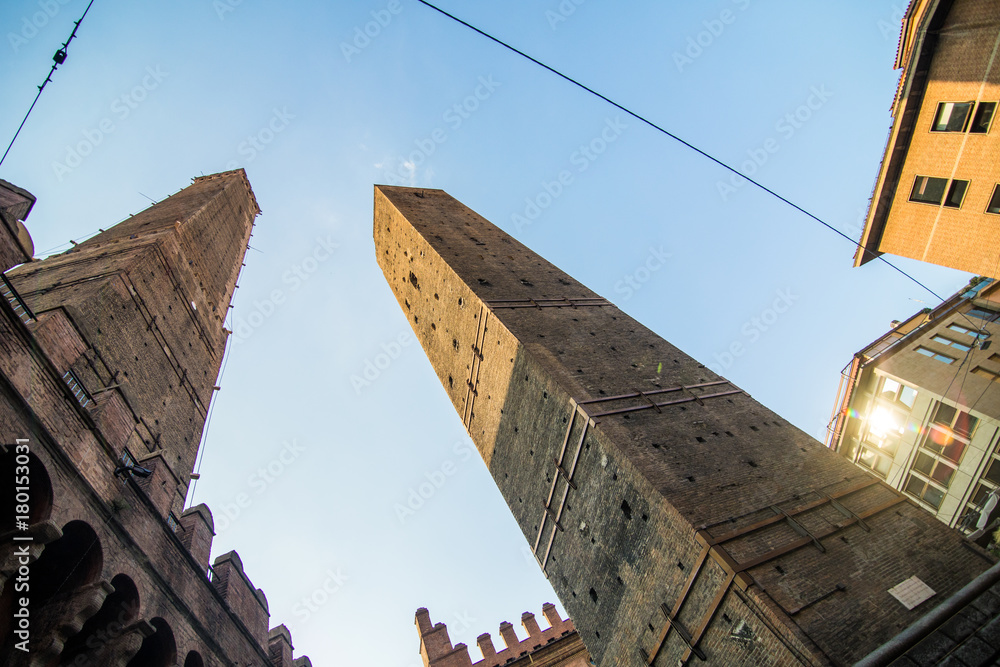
(59, 58)
(678, 139)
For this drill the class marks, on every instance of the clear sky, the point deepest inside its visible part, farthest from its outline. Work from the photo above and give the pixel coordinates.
(318, 111)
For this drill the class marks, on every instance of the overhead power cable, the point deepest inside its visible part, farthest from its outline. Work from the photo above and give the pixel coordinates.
(59, 58)
(677, 139)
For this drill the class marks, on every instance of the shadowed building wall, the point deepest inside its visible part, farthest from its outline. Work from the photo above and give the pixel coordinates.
(109, 355)
(673, 514)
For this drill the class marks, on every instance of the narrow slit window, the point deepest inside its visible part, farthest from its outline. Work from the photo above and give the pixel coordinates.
(934, 355)
(956, 193)
(928, 189)
(951, 116)
(983, 117)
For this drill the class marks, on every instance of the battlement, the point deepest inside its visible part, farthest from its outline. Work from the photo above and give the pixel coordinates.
(436, 647)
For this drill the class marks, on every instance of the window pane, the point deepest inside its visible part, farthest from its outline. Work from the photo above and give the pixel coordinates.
(889, 389)
(882, 465)
(942, 474)
(993, 473)
(994, 206)
(928, 189)
(960, 329)
(953, 451)
(951, 116)
(980, 494)
(982, 315)
(989, 375)
(915, 486)
(933, 496)
(956, 193)
(907, 396)
(924, 463)
(945, 414)
(984, 114)
(965, 424)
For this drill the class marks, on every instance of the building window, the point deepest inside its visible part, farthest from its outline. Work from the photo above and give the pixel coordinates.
(886, 425)
(951, 116)
(928, 190)
(994, 206)
(923, 490)
(935, 355)
(951, 343)
(898, 393)
(958, 328)
(993, 376)
(956, 193)
(983, 117)
(982, 315)
(954, 117)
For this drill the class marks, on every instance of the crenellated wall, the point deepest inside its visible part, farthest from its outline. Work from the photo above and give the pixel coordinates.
(559, 645)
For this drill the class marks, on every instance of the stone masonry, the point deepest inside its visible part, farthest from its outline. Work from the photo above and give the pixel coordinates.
(109, 356)
(675, 516)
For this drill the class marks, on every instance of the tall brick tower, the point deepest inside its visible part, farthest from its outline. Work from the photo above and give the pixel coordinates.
(109, 354)
(673, 514)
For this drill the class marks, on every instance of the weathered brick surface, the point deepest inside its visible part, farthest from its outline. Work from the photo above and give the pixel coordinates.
(648, 480)
(110, 579)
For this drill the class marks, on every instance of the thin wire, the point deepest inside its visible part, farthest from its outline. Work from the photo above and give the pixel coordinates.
(679, 140)
(55, 66)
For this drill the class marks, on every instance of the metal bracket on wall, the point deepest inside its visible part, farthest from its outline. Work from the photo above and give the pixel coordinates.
(563, 302)
(687, 394)
(477, 364)
(554, 512)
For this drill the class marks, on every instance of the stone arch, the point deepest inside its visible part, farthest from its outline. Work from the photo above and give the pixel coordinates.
(158, 649)
(38, 495)
(194, 659)
(106, 629)
(64, 573)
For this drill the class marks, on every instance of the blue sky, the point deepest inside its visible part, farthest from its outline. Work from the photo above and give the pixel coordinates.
(318, 111)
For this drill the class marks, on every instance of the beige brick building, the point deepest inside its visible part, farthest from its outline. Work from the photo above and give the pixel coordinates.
(920, 406)
(937, 195)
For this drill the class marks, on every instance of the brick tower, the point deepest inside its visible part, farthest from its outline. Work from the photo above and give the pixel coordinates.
(673, 514)
(109, 357)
